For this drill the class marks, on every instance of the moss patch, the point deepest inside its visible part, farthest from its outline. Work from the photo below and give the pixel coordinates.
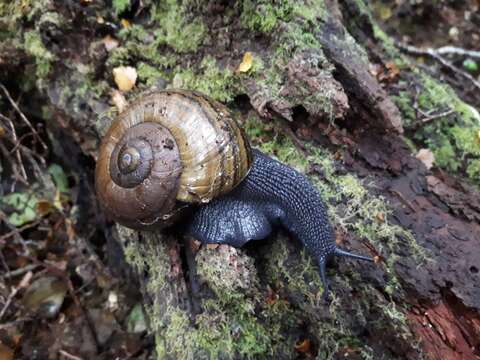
(454, 138)
(355, 210)
(120, 6)
(43, 58)
(175, 28)
(211, 80)
(249, 315)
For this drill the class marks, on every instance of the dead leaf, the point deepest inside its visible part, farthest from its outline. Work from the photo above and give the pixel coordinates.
(119, 100)
(125, 77)
(304, 347)
(375, 69)
(380, 217)
(246, 63)
(125, 23)
(45, 296)
(383, 11)
(384, 73)
(426, 157)
(5, 352)
(44, 207)
(272, 297)
(70, 229)
(110, 43)
(393, 70)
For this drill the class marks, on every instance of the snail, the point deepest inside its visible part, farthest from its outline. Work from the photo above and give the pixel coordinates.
(172, 149)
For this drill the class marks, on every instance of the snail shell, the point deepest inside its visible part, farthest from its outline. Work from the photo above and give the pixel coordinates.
(167, 149)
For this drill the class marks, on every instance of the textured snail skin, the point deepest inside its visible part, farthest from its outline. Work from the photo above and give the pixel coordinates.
(272, 194)
(173, 149)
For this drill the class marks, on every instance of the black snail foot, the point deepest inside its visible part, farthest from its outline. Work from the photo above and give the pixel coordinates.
(272, 194)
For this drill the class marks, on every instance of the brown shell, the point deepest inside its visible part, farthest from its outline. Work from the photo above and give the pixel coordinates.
(169, 148)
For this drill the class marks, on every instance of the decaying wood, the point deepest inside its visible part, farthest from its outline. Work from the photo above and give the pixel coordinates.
(439, 297)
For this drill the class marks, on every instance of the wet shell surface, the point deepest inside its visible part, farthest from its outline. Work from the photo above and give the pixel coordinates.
(166, 149)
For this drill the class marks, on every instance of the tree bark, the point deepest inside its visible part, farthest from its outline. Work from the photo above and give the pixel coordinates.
(311, 79)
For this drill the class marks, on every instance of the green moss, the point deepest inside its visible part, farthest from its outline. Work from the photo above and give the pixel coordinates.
(179, 338)
(27, 9)
(120, 6)
(51, 18)
(119, 56)
(211, 80)
(473, 169)
(453, 139)
(227, 328)
(175, 28)
(357, 212)
(295, 39)
(263, 16)
(43, 58)
(232, 330)
(229, 324)
(149, 75)
(363, 10)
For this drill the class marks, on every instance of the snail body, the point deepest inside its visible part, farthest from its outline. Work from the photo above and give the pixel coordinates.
(173, 148)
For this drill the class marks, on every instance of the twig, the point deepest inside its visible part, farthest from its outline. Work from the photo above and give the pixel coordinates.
(23, 117)
(16, 174)
(446, 50)
(20, 271)
(26, 151)
(403, 200)
(14, 230)
(69, 356)
(436, 116)
(20, 229)
(14, 323)
(17, 152)
(23, 283)
(436, 56)
(4, 262)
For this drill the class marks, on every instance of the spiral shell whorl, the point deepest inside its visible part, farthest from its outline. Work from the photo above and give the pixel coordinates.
(168, 148)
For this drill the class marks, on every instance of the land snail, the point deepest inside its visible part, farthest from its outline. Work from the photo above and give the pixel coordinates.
(172, 149)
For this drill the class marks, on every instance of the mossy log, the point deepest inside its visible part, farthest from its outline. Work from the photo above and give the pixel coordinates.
(309, 99)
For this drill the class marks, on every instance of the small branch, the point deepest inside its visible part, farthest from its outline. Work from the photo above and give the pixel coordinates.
(18, 230)
(403, 200)
(16, 174)
(23, 283)
(20, 271)
(453, 50)
(69, 356)
(17, 152)
(436, 116)
(29, 155)
(17, 321)
(14, 230)
(23, 117)
(436, 56)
